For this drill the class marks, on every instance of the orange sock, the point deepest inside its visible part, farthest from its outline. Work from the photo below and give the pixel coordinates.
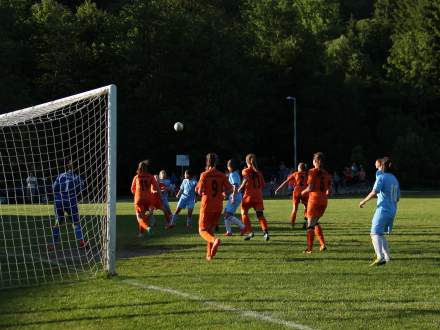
(310, 239)
(143, 224)
(206, 235)
(293, 214)
(263, 223)
(208, 249)
(320, 234)
(247, 222)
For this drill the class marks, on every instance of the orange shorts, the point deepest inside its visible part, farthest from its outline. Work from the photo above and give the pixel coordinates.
(156, 203)
(144, 205)
(208, 219)
(297, 197)
(316, 208)
(249, 202)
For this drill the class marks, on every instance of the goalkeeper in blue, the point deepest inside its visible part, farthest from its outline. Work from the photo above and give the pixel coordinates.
(66, 187)
(387, 190)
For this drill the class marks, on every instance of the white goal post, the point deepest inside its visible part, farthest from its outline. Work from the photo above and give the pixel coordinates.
(58, 189)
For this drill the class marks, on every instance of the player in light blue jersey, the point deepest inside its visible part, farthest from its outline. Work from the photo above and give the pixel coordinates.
(66, 187)
(387, 190)
(234, 199)
(187, 198)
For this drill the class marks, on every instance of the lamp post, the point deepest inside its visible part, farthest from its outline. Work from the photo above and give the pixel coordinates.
(293, 99)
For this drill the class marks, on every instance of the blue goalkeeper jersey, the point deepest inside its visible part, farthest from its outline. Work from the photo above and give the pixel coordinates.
(66, 186)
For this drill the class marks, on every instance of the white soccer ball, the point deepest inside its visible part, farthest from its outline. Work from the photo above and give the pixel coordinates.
(178, 127)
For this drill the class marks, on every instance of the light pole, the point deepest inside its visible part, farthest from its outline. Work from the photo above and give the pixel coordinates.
(292, 98)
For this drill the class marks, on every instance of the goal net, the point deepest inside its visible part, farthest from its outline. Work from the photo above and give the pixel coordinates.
(57, 189)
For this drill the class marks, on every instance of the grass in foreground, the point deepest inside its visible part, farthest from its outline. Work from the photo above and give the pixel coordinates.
(331, 290)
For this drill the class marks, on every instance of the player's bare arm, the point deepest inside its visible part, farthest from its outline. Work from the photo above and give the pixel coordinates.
(366, 199)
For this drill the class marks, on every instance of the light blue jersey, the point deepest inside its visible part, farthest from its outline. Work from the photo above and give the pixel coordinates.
(235, 180)
(164, 185)
(188, 194)
(388, 194)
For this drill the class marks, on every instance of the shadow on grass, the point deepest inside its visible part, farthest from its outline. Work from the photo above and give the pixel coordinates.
(79, 308)
(60, 321)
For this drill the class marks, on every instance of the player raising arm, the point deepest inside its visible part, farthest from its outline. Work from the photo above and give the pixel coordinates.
(187, 198)
(318, 188)
(299, 181)
(211, 185)
(387, 190)
(252, 185)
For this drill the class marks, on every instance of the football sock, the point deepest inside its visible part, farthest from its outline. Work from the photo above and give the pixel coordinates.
(320, 234)
(263, 223)
(56, 234)
(293, 216)
(378, 245)
(310, 238)
(228, 224)
(143, 224)
(207, 236)
(246, 221)
(188, 221)
(385, 248)
(174, 219)
(78, 231)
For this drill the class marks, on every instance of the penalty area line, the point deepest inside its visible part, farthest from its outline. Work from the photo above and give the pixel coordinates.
(226, 308)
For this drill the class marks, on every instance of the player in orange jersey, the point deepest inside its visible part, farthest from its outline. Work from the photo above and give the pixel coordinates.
(252, 185)
(211, 186)
(143, 187)
(318, 188)
(299, 181)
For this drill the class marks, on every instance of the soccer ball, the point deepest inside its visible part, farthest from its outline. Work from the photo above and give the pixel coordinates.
(178, 127)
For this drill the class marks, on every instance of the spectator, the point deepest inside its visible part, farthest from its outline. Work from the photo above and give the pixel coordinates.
(32, 186)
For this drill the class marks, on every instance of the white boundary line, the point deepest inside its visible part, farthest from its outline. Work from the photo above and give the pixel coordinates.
(241, 312)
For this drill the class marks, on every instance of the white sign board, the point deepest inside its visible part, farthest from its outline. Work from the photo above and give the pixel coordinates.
(182, 160)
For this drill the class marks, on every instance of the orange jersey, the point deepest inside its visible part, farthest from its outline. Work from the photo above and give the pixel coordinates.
(143, 186)
(298, 180)
(320, 182)
(254, 184)
(211, 186)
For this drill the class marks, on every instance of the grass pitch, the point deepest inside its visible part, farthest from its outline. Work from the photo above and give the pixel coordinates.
(164, 282)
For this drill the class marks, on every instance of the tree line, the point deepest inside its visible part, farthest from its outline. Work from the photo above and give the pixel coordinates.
(365, 74)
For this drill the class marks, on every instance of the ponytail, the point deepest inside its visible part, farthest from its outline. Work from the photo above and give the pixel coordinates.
(251, 159)
(211, 160)
(142, 167)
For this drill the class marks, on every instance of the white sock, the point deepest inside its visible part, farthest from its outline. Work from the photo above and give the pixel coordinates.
(236, 221)
(377, 244)
(228, 224)
(385, 248)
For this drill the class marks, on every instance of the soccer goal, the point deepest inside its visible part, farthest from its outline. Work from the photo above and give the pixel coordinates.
(58, 190)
